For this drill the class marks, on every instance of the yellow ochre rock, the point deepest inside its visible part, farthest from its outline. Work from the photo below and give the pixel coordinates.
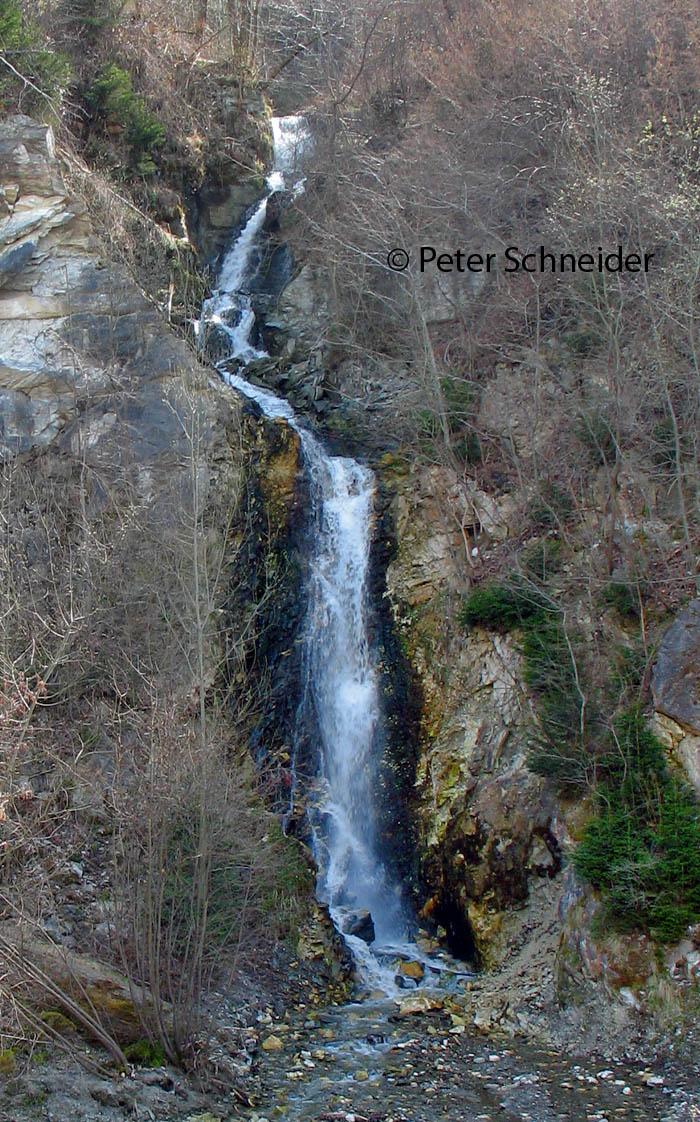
(412, 970)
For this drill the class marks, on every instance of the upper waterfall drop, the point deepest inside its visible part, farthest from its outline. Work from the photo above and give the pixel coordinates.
(227, 316)
(291, 141)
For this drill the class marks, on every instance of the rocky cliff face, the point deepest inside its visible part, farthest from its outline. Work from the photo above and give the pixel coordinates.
(493, 839)
(78, 342)
(489, 829)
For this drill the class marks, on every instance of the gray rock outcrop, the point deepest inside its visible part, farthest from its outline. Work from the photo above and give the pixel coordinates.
(76, 333)
(676, 690)
(676, 680)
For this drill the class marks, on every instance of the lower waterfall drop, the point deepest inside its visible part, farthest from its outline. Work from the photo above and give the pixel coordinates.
(342, 687)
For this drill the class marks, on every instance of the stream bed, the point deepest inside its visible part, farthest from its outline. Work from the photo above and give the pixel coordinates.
(368, 1063)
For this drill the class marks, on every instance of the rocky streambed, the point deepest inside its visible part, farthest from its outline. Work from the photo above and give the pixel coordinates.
(372, 1062)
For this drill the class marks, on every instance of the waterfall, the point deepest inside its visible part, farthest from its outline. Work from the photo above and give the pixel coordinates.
(340, 686)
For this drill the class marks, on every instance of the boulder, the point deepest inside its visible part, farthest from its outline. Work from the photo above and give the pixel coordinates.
(359, 924)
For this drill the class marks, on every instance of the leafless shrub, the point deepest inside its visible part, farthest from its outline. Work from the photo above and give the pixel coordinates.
(196, 859)
(29, 983)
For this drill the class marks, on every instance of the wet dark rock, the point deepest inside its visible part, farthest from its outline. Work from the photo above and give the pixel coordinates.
(273, 273)
(401, 694)
(278, 202)
(360, 924)
(217, 208)
(215, 342)
(276, 500)
(405, 983)
(262, 304)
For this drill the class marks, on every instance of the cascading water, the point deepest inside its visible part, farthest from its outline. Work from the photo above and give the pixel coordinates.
(228, 313)
(340, 683)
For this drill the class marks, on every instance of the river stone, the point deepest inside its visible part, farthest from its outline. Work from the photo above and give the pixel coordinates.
(361, 925)
(420, 1002)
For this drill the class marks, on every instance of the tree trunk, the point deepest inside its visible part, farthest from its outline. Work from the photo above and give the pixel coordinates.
(200, 25)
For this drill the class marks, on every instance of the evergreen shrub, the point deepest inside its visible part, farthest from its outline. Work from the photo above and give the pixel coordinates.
(24, 47)
(113, 100)
(642, 847)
